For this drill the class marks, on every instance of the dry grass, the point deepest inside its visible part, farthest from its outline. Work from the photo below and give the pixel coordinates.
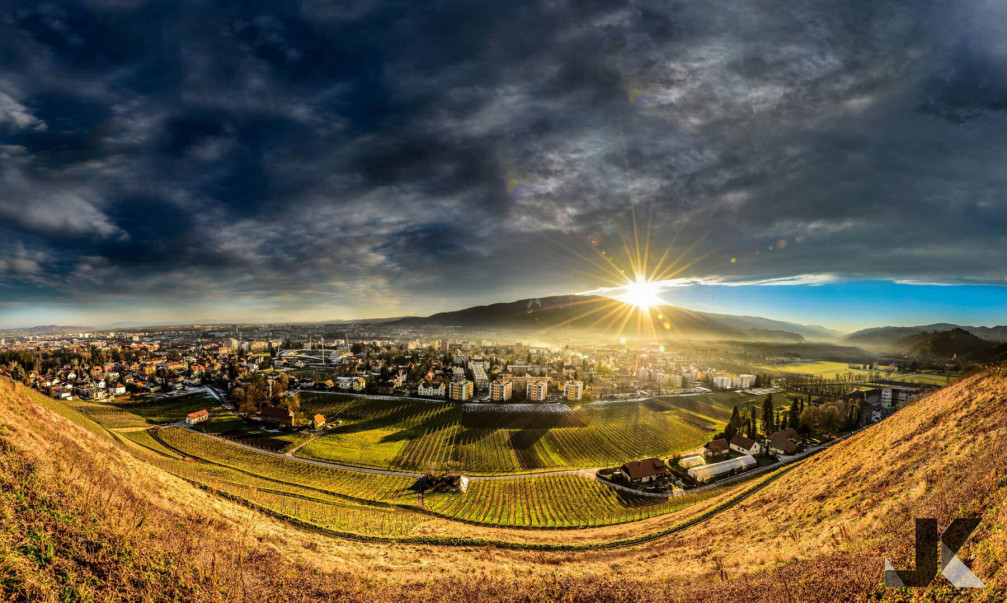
(84, 519)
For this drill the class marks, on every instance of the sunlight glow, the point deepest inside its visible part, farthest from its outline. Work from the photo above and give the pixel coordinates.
(642, 293)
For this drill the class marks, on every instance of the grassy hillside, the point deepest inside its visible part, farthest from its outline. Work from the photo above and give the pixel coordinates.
(86, 519)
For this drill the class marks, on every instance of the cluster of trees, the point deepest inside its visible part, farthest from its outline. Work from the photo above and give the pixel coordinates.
(826, 385)
(45, 360)
(250, 397)
(831, 417)
(826, 419)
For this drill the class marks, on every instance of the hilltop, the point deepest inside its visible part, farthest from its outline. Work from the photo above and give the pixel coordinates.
(84, 514)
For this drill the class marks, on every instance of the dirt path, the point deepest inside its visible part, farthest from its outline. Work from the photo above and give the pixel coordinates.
(302, 444)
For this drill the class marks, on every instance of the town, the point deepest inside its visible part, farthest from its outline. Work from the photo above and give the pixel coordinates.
(268, 379)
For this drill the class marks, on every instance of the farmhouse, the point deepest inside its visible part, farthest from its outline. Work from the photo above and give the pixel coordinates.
(706, 473)
(319, 421)
(199, 416)
(283, 417)
(745, 445)
(784, 441)
(718, 447)
(639, 472)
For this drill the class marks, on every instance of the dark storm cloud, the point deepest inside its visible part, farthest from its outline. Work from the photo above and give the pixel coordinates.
(393, 151)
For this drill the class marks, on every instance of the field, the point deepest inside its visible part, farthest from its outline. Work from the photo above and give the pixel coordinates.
(551, 501)
(826, 369)
(418, 435)
(169, 409)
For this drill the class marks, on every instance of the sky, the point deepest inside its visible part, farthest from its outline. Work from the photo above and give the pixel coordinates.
(830, 163)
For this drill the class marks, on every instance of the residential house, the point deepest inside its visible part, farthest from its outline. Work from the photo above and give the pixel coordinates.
(740, 443)
(646, 470)
(282, 417)
(718, 447)
(432, 390)
(784, 441)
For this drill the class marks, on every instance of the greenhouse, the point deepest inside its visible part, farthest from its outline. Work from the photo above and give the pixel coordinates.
(691, 461)
(706, 473)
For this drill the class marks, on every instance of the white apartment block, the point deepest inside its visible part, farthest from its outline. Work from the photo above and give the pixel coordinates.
(501, 391)
(461, 390)
(744, 381)
(673, 380)
(536, 391)
(573, 390)
(723, 382)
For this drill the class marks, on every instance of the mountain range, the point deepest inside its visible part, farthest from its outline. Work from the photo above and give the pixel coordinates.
(604, 315)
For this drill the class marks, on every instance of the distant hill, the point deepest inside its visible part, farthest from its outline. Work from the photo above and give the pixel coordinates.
(42, 330)
(602, 314)
(945, 344)
(886, 337)
(934, 341)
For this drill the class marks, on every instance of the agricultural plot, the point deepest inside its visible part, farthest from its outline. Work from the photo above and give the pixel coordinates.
(143, 438)
(108, 415)
(169, 409)
(356, 485)
(545, 501)
(419, 435)
(301, 503)
(816, 368)
(829, 370)
(551, 501)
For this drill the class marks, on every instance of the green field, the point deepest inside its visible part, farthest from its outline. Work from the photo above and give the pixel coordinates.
(817, 368)
(826, 369)
(419, 435)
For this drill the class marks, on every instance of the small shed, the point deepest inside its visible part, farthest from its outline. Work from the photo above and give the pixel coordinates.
(199, 416)
(319, 421)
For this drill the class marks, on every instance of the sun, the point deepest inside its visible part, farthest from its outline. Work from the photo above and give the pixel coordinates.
(642, 293)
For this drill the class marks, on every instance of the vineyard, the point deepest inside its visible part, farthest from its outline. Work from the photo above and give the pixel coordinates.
(419, 435)
(549, 501)
(108, 415)
(360, 486)
(169, 409)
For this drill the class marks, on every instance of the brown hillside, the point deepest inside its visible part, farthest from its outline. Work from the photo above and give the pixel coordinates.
(83, 516)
